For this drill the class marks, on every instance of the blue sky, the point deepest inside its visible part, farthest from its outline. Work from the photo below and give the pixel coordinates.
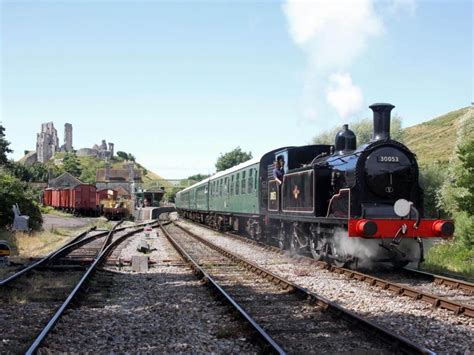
(176, 83)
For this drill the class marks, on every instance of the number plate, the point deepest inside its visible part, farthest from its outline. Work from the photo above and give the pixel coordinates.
(388, 159)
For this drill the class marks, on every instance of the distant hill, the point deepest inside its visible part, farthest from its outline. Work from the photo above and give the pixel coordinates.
(89, 165)
(434, 141)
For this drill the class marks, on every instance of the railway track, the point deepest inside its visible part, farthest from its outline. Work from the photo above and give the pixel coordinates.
(436, 328)
(286, 317)
(60, 296)
(451, 294)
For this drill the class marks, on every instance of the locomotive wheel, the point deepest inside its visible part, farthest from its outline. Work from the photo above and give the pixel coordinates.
(340, 256)
(281, 238)
(316, 247)
(294, 243)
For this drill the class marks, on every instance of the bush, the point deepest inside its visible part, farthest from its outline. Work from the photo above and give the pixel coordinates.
(14, 191)
(449, 256)
(464, 229)
(432, 178)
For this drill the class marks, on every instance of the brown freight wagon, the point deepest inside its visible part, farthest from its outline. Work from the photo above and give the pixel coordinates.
(64, 198)
(82, 199)
(55, 197)
(47, 197)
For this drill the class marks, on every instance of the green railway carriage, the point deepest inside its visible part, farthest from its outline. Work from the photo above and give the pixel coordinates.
(230, 197)
(235, 190)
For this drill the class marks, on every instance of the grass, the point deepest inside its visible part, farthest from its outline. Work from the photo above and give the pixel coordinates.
(34, 244)
(434, 141)
(52, 211)
(40, 243)
(450, 257)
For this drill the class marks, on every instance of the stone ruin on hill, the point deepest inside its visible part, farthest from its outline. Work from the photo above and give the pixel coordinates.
(47, 144)
(47, 141)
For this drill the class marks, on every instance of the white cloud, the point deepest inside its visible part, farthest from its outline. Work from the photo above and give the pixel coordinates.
(343, 95)
(333, 33)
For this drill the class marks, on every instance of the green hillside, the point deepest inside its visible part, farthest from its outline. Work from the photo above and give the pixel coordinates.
(434, 141)
(89, 165)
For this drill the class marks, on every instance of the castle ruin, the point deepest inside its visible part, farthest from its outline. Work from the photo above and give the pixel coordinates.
(68, 137)
(47, 144)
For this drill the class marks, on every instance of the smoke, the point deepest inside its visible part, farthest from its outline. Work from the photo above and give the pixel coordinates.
(343, 95)
(333, 34)
(368, 251)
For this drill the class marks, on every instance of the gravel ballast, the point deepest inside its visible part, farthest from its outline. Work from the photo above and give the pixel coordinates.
(436, 329)
(164, 310)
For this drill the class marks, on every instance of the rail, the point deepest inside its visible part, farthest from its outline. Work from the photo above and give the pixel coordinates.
(100, 258)
(397, 341)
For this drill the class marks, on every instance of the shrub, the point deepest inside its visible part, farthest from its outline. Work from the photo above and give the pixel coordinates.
(14, 191)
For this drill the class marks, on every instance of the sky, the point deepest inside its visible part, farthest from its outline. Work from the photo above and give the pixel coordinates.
(176, 83)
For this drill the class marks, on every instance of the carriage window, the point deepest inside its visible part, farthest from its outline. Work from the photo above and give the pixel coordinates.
(232, 185)
(237, 184)
(250, 187)
(220, 186)
(244, 182)
(226, 186)
(255, 180)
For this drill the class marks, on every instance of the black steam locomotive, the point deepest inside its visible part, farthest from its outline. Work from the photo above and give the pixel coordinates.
(342, 203)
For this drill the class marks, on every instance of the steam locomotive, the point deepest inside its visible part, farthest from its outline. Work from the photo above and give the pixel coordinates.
(345, 204)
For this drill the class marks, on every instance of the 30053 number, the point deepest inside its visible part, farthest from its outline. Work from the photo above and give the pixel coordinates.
(388, 159)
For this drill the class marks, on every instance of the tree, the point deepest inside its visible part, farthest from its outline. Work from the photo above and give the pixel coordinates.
(198, 177)
(363, 129)
(37, 172)
(232, 158)
(465, 179)
(432, 178)
(122, 155)
(14, 191)
(125, 156)
(71, 164)
(170, 194)
(456, 195)
(4, 150)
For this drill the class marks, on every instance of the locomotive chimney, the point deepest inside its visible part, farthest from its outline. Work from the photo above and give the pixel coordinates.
(381, 120)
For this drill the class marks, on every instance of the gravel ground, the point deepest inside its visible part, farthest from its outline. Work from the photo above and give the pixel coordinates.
(298, 326)
(52, 221)
(165, 310)
(28, 305)
(436, 329)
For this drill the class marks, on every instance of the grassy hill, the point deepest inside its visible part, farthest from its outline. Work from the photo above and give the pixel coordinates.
(434, 141)
(89, 165)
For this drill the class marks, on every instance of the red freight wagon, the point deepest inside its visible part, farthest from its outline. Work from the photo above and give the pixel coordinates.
(83, 198)
(105, 194)
(64, 198)
(55, 197)
(47, 196)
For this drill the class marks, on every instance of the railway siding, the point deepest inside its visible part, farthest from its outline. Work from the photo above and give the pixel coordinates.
(165, 310)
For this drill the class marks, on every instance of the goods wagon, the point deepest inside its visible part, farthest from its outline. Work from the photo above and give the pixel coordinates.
(82, 199)
(55, 196)
(47, 197)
